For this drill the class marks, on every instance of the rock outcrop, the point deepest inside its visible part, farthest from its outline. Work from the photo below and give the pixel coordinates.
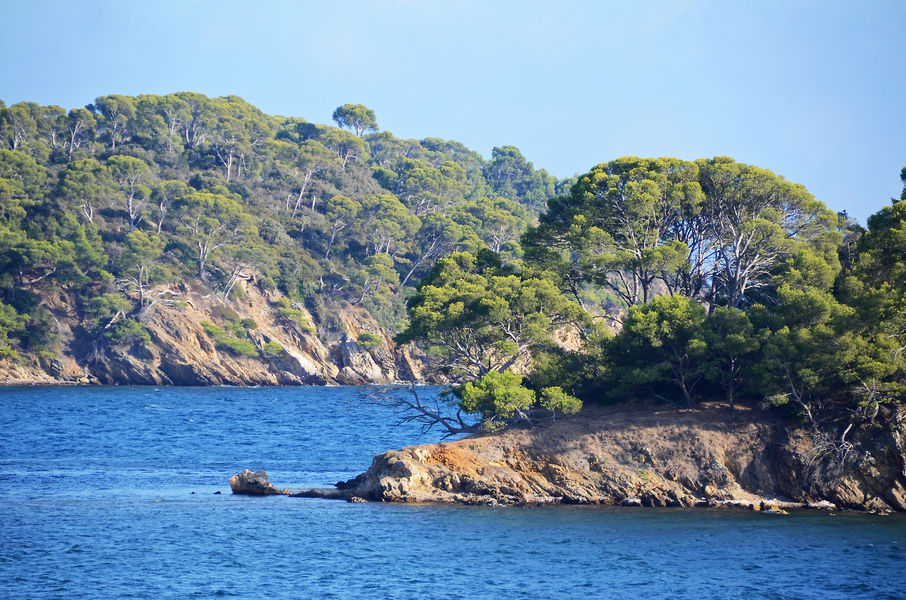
(282, 347)
(652, 457)
(254, 484)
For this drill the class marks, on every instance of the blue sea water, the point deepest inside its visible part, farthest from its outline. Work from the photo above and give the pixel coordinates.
(110, 493)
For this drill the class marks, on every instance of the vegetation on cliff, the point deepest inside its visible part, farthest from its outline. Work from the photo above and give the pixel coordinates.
(644, 278)
(124, 203)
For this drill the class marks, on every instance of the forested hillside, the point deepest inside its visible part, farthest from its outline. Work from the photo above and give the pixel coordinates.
(684, 281)
(142, 226)
(126, 204)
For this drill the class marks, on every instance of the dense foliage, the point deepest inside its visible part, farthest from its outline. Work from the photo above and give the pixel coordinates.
(119, 202)
(724, 280)
(643, 278)
(719, 280)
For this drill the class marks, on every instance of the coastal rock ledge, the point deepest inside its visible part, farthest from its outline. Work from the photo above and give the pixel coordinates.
(254, 484)
(654, 457)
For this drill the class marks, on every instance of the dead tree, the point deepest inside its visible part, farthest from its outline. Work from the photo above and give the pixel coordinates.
(409, 405)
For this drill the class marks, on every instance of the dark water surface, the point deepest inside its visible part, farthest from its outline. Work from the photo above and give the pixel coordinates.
(96, 502)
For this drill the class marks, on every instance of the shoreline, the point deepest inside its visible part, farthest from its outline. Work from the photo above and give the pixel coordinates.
(634, 455)
(764, 505)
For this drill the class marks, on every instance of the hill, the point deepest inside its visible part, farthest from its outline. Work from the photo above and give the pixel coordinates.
(133, 208)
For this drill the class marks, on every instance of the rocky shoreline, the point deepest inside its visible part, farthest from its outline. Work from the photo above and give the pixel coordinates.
(633, 456)
(263, 339)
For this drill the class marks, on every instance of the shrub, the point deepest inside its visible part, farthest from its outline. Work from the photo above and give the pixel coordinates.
(128, 331)
(556, 400)
(237, 346)
(294, 315)
(272, 349)
(212, 330)
(496, 397)
(224, 312)
(369, 340)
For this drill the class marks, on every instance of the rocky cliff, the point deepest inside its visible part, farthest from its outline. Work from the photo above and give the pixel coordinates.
(200, 339)
(650, 457)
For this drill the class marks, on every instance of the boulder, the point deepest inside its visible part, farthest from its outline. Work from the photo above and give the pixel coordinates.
(254, 484)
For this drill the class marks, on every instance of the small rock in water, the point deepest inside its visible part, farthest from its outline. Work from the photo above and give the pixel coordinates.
(217, 493)
(254, 484)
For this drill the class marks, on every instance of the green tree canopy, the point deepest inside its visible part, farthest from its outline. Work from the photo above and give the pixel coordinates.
(356, 117)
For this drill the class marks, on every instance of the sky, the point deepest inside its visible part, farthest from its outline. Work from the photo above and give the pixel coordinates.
(813, 90)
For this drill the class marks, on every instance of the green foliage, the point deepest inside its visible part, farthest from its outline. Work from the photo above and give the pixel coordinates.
(231, 338)
(109, 203)
(662, 345)
(294, 315)
(357, 117)
(272, 349)
(715, 230)
(477, 316)
(12, 328)
(497, 397)
(212, 330)
(100, 310)
(237, 346)
(369, 341)
(128, 332)
(556, 400)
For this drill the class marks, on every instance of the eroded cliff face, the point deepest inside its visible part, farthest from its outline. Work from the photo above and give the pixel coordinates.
(662, 457)
(183, 352)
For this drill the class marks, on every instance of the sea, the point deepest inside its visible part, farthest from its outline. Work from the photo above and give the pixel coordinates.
(122, 492)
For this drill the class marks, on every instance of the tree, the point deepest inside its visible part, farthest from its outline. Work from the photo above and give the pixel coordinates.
(437, 237)
(715, 230)
(903, 179)
(20, 123)
(80, 128)
(210, 221)
(131, 174)
(806, 351)
(661, 342)
(240, 129)
(875, 285)
(87, 185)
(340, 213)
(615, 226)
(497, 397)
(117, 112)
(140, 267)
(357, 117)
(759, 219)
(732, 345)
(164, 194)
(239, 257)
(477, 317)
(377, 272)
(346, 146)
(498, 222)
(385, 224)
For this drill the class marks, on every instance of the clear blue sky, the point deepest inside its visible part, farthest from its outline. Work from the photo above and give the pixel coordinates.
(813, 90)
